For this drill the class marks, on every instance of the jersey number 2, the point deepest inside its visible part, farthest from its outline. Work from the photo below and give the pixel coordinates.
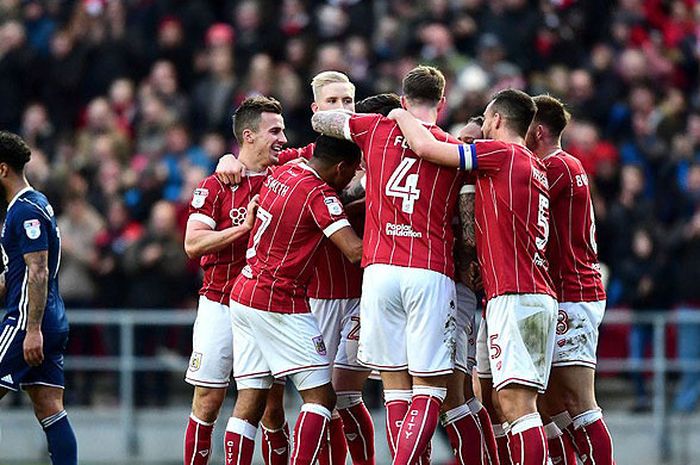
(408, 191)
(265, 218)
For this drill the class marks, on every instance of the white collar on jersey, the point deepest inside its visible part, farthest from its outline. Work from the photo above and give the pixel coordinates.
(18, 195)
(305, 166)
(553, 153)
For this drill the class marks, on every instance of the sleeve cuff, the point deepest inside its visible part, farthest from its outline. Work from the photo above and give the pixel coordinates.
(346, 130)
(468, 189)
(335, 227)
(202, 219)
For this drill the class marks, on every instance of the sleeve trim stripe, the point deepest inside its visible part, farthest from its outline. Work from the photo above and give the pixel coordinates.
(468, 189)
(346, 130)
(202, 219)
(335, 227)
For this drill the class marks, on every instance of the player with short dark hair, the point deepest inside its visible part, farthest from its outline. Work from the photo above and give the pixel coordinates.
(276, 334)
(380, 103)
(512, 224)
(220, 220)
(409, 302)
(572, 252)
(34, 330)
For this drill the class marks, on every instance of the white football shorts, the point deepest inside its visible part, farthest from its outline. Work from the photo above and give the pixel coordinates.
(339, 321)
(211, 361)
(465, 336)
(408, 320)
(577, 333)
(271, 345)
(521, 330)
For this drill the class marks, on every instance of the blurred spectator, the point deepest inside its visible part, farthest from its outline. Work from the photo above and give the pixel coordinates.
(642, 279)
(212, 100)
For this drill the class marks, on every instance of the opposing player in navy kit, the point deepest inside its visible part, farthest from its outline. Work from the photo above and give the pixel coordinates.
(34, 330)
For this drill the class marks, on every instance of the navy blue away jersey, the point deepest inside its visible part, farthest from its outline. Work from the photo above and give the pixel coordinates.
(30, 226)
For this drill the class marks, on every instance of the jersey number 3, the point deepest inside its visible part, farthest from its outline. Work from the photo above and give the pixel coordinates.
(404, 185)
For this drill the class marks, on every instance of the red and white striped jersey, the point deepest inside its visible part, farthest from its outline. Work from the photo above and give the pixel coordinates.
(334, 276)
(298, 210)
(220, 206)
(410, 202)
(511, 219)
(572, 250)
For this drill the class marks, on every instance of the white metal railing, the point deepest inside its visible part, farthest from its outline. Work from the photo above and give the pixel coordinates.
(127, 363)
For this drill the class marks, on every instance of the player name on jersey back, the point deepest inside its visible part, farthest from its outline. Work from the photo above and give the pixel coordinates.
(298, 210)
(410, 202)
(572, 249)
(220, 206)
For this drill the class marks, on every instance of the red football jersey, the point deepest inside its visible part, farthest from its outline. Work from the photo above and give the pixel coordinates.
(410, 202)
(334, 276)
(511, 219)
(220, 206)
(572, 250)
(298, 210)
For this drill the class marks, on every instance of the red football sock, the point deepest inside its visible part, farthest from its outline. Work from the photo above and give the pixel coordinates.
(197, 441)
(592, 439)
(501, 438)
(465, 435)
(427, 454)
(419, 424)
(334, 449)
(396, 405)
(490, 448)
(309, 433)
(527, 442)
(561, 449)
(275, 445)
(359, 433)
(239, 442)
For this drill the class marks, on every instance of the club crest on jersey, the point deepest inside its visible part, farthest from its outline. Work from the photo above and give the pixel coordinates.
(195, 361)
(238, 215)
(199, 196)
(319, 345)
(32, 228)
(334, 206)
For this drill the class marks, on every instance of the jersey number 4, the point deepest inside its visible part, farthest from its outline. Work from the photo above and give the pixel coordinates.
(404, 185)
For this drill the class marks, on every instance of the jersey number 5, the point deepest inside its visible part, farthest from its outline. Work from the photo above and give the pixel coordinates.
(543, 222)
(265, 218)
(408, 191)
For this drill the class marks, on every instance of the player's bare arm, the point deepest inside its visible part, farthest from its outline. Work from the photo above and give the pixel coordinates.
(425, 145)
(333, 123)
(200, 239)
(355, 190)
(37, 289)
(466, 244)
(348, 243)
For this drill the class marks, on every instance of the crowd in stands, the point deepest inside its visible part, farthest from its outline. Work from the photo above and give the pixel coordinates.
(127, 104)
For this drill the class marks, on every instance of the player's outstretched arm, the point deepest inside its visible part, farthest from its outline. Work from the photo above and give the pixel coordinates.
(348, 243)
(37, 290)
(424, 145)
(333, 123)
(201, 239)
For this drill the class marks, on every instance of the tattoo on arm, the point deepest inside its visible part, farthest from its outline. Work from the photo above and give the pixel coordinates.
(467, 244)
(330, 123)
(353, 192)
(37, 284)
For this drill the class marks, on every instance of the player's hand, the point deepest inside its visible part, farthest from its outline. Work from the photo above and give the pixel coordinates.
(395, 113)
(252, 210)
(34, 348)
(229, 170)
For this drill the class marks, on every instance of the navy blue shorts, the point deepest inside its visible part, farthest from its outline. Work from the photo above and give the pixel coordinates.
(14, 371)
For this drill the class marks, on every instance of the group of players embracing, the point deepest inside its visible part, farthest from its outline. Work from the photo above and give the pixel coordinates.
(501, 211)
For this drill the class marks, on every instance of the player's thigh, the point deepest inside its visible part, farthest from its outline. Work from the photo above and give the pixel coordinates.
(521, 329)
(329, 315)
(430, 302)
(211, 361)
(346, 357)
(293, 347)
(577, 333)
(465, 335)
(382, 343)
(250, 368)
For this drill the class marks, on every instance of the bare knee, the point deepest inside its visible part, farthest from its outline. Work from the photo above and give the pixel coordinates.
(46, 400)
(250, 405)
(455, 391)
(516, 401)
(206, 403)
(323, 395)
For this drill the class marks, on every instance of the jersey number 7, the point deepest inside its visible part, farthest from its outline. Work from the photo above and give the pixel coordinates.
(265, 218)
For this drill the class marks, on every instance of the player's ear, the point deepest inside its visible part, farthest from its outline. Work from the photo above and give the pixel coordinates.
(3, 170)
(441, 104)
(248, 136)
(314, 107)
(403, 102)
